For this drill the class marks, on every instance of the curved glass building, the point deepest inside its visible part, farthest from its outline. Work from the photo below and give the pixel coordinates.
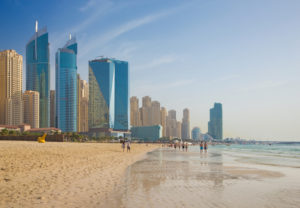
(38, 72)
(109, 94)
(101, 94)
(66, 87)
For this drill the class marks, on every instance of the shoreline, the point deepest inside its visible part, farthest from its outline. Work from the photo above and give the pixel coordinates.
(63, 174)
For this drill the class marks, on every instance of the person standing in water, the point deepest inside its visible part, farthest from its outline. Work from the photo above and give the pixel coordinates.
(201, 146)
(205, 146)
(186, 146)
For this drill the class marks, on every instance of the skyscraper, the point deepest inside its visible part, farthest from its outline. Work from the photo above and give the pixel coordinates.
(101, 94)
(178, 129)
(185, 130)
(122, 114)
(196, 133)
(11, 67)
(171, 130)
(38, 71)
(82, 105)
(155, 113)
(134, 111)
(215, 125)
(146, 111)
(31, 101)
(163, 120)
(66, 86)
(52, 109)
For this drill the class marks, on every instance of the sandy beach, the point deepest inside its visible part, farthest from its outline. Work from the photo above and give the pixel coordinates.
(62, 174)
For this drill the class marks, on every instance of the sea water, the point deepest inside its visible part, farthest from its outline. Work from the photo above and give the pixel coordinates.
(224, 176)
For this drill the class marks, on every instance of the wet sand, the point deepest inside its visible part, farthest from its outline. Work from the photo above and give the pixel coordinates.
(169, 178)
(62, 174)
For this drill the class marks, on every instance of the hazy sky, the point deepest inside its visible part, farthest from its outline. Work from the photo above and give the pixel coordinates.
(244, 54)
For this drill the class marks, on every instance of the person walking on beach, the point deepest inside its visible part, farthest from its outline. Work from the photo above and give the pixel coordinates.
(205, 146)
(186, 146)
(201, 146)
(128, 146)
(182, 146)
(123, 145)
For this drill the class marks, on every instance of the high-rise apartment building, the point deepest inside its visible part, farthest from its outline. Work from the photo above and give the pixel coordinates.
(11, 67)
(196, 133)
(101, 94)
(66, 86)
(31, 101)
(122, 114)
(38, 71)
(146, 111)
(134, 111)
(215, 125)
(178, 129)
(155, 113)
(52, 109)
(163, 120)
(171, 130)
(82, 105)
(185, 129)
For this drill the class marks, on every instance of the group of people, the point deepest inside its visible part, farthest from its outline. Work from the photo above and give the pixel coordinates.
(182, 145)
(124, 143)
(203, 145)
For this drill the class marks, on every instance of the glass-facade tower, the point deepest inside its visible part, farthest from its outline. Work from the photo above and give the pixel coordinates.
(122, 96)
(66, 87)
(101, 94)
(215, 125)
(38, 72)
(109, 94)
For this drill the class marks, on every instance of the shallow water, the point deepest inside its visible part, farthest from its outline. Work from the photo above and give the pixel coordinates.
(218, 178)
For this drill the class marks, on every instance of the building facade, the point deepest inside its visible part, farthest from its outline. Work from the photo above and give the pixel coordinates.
(134, 112)
(146, 111)
(31, 104)
(185, 129)
(163, 120)
(11, 76)
(215, 124)
(66, 87)
(155, 113)
(147, 133)
(196, 133)
(52, 109)
(171, 130)
(122, 110)
(101, 94)
(38, 71)
(82, 105)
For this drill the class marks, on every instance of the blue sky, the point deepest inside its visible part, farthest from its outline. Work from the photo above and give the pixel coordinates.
(244, 54)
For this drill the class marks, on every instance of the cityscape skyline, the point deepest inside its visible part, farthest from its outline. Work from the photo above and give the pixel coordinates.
(271, 80)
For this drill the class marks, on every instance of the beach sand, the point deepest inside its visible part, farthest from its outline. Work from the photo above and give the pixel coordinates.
(62, 174)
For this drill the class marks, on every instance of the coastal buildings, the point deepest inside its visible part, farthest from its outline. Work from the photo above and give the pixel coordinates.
(82, 105)
(31, 105)
(196, 133)
(66, 86)
(215, 125)
(155, 113)
(106, 109)
(52, 109)
(134, 112)
(11, 67)
(185, 130)
(38, 71)
(146, 111)
(122, 114)
(179, 129)
(171, 130)
(163, 120)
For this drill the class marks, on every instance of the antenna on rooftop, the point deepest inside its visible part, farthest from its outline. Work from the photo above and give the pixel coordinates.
(36, 26)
